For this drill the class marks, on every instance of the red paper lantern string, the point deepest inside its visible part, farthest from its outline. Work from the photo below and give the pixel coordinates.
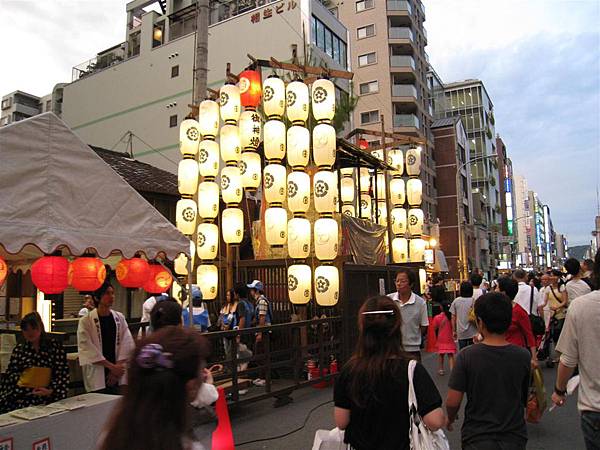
(50, 274)
(3, 271)
(133, 273)
(159, 280)
(250, 88)
(87, 274)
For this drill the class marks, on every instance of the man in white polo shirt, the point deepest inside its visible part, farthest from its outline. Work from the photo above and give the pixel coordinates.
(413, 310)
(528, 296)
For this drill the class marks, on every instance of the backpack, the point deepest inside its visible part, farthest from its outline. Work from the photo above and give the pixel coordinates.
(538, 326)
(269, 318)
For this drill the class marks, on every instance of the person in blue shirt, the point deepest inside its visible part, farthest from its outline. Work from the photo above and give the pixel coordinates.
(200, 318)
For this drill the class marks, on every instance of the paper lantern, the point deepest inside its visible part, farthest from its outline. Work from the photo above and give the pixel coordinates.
(323, 100)
(363, 144)
(276, 226)
(275, 177)
(327, 285)
(399, 219)
(377, 154)
(347, 189)
(207, 241)
(187, 176)
(413, 162)
(299, 283)
(132, 273)
(417, 250)
(349, 210)
(396, 159)
(381, 213)
(50, 274)
(189, 137)
(274, 97)
(365, 180)
(423, 280)
(231, 148)
(232, 225)
(208, 159)
(231, 185)
(250, 169)
(250, 128)
(298, 146)
(299, 234)
(185, 215)
(159, 280)
(414, 191)
(250, 88)
(208, 119)
(400, 250)
(296, 98)
(3, 271)
(380, 186)
(86, 274)
(326, 239)
(347, 172)
(230, 104)
(397, 190)
(415, 221)
(365, 206)
(180, 264)
(208, 199)
(324, 145)
(207, 277)
(325, 191)
(298, 192)
(274, 140)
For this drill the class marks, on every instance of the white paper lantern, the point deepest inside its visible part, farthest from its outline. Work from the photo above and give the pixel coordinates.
(274, 97)
(326, 239)
(415, 221)
(347, 189)
(250, 168)
(230, 104)
(324, 145)
(250, 129)
(231, 148)
(232, 224)
(396, 160)
(207, 241)
(417, 250)
(208, 158)
(400, 250)
(208, 199)
(298, 192)
(299, 283)
(207, 278)
(382, 213)
(378, 154)
(323, 99)
(274, 140)
(365, 180)
(208, 119)
(189, 137)
(414, 191)
(380, 186)
(365, 206)
(423, 279)
(413, 162)
(399, 219)
(325, 191)
(349, 210)
(275, 182)
(347, 172)
(186, 213)
(299, 235)
(276, 226)
(297, 98)
(181, 262)
(187, 176)
(231, 185)
(327, 285)
(298, 146)
(397, 196)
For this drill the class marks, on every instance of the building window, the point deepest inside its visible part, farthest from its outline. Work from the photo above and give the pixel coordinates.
(6, 103)
(175, 71)
(364, 4)
(369, 58)
(369, 87)
(158, 35)
(365, 32)
(173, 121)
(369, 117)
(326, 40)
(48, 105)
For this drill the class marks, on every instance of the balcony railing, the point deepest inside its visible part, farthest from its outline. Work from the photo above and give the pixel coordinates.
(406, 120)
(402, 61)
(400, 33)
(100, 62)
(399, 5)
(404, 90)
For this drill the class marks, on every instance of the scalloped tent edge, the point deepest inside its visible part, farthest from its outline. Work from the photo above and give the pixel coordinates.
(56, 193)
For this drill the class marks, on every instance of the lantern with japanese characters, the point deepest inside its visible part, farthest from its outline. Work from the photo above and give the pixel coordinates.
(132, 273)
(349, 210)
(414, 191)
(185, 215)
(250, 169)
(324, 145)
(250, 89)
(189, 137)
(86, 274)
(325, 191)
(208, 119)
(250, 128)
(3, 271)
(413, 161)
(364, 180)
(397, 191)
(50, 274)
(365, 206)
(231, 147)
(207, 241)
(230, 103)
(298, 147)
(347, 189)
(207, 278)
(415, 221)
(299, 236)
(327, 285)
(274, 97)
(417, 250)
(231, 185)
(276, 226)
(297, 101)
(380, 187)
(187, 175)
(208, 159)
(232, 225)
(400, 250)
(298, 192)
(326, 238)
(399, 219)
(396, 160)
(208, 204)
(159, 280)
(299, 283)
(275, 177)
(323, 100)
(381, 213)
(274, 140)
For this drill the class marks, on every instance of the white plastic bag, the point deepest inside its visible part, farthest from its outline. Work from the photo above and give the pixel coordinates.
(329, 440)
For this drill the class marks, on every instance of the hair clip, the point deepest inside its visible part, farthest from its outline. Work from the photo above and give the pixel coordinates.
(387, 311)
(152, 356)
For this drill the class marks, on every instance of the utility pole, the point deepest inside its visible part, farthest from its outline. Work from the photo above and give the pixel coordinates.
(201, 55)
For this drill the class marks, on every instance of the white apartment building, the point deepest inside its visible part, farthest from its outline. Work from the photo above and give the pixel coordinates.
(19, 105)
(523, 221)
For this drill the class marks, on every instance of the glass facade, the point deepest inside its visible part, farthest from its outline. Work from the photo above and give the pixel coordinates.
(325, 39)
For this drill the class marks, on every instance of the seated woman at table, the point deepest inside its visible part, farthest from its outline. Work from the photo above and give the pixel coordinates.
(37, 373)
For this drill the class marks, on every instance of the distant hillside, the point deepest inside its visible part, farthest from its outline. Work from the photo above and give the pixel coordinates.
(578, 251)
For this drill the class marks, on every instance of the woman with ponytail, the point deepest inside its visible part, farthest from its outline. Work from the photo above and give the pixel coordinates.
(371, 393)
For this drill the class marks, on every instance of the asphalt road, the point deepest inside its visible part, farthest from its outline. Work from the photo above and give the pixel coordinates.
(558, 430)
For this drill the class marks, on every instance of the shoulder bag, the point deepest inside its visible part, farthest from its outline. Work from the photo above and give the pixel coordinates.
(538, 326)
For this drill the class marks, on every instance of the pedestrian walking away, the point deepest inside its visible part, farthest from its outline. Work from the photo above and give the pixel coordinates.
(442, 324)
(464, 329)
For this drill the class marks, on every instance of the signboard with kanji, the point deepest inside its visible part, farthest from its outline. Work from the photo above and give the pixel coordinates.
(268, 12)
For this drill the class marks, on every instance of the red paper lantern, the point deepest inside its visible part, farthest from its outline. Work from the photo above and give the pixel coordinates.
(50, 274)
(133, 273)
(159, 279)
(3, 271)
(363, 144)
(87, 274)
(250, 88)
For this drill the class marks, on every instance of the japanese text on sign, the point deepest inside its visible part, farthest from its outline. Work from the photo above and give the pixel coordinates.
(267, 13)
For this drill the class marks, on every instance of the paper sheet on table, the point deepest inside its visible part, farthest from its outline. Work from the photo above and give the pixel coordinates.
(31, 413)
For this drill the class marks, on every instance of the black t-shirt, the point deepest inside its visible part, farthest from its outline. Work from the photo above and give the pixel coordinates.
(384, 421)
(496, 381)
(108, 331)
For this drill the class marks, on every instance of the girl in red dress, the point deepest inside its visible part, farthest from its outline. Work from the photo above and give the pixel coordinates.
(442, 324)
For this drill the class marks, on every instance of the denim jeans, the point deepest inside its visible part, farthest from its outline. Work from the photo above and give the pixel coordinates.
(590, 425)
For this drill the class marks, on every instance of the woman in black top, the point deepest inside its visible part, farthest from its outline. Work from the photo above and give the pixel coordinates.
(371, 393)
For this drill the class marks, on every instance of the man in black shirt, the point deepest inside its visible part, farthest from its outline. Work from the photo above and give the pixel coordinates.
(495, 376)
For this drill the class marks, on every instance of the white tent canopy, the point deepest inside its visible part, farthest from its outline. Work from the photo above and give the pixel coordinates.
(56, 193)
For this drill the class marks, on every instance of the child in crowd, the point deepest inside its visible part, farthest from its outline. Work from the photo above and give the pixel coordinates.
(442, 324)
